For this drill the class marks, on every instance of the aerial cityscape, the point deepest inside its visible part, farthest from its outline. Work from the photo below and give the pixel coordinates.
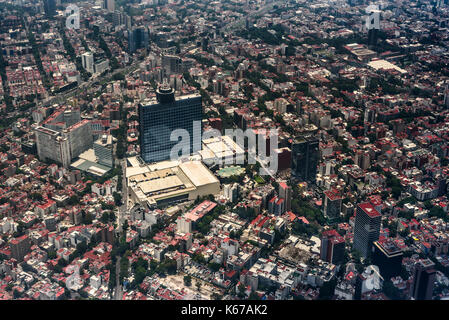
(224, 150)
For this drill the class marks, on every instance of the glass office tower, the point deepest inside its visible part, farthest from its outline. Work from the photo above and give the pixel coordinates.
(158, 119)
(138, 38)
(305, 157)
(366, 228)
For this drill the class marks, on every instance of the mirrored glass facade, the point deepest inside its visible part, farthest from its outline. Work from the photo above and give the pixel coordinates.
(159, 119)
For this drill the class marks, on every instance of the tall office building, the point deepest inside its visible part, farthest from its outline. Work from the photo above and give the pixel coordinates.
(159, 118)
(373, 26)
(388, 257)
(373, 36)
(121, 19)
(171, 64)
(20, 247)
(332, 247)
(138, 38)
(103, 149)
(109, 5)
(52, 145)
(87, 60)
(332, 203)
(423, 280)
(80, 137)
(366, 228)
(71, 116)
(63, 137)
(305, 157)
(446, 95)
(50, 7)
(101, 66)
(231, 191)
(285, 192)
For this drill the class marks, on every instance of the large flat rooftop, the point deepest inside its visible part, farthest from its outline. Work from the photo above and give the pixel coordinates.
(380, 64)
(369, 209)
(169, 179)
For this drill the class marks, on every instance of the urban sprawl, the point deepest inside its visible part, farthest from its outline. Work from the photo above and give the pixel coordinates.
(93, 205)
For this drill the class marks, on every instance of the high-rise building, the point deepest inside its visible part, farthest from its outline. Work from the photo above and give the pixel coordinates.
(446, 95)
(80, 137)
(50, 7)
(121, 19)
(158, 119)
(369, 280)
(52, 145)
(20, 247)
(101, 66)
(109, 5)
(103, 149)
(71, 116)
(332, 247)
(107, 234)
(184, 225)
(138, 38)
(373, 35)
(332, 203)
(366, 228)
(171, 64)
(373, 26)
(305, 157)
(285, 192)
(62, 137)
(388, 257)
(231, 191)
(76, 216)
(423, 280)
(87, 60)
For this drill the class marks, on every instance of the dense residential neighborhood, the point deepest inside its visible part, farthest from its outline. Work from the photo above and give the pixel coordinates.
(94, 206)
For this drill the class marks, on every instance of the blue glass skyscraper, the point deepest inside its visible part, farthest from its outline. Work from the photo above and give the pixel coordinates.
(159, 118)
(138, 38)
(305, 157)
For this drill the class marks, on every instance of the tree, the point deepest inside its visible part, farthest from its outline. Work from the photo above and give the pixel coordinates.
(16, 294)
(198, 285)
(105, 217)
(83, 294)
(404, 273)
(216, 296)
(437, 212)
(327, 290)
(187, 280)
(428, 205)
(391, 291)
(124, 266)
(253, 296)
(214, 266)
(117, 198)
(87, 218)
(51, 254)
(81, 248)
(199, 258)
(36, 196)
(125, 226)
(140, 274)
(118, 76)
(241, 290)
(73, 200)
